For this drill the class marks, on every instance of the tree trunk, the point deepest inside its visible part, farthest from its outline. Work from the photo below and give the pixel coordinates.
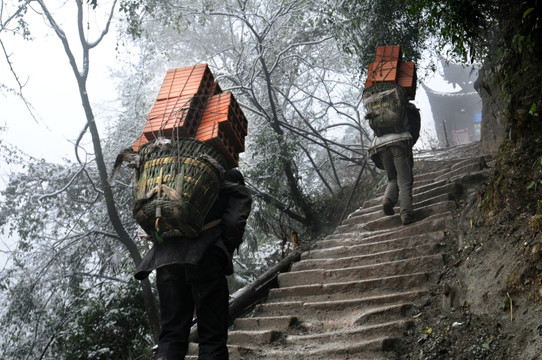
(81, 77)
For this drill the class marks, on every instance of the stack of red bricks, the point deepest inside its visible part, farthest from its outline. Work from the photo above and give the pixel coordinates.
(388, 67)
(191, 104)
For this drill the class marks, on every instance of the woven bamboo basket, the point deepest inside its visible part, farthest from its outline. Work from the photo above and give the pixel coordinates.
(176, 185)
(385, 104)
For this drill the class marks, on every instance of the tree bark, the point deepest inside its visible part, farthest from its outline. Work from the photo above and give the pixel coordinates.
(81, 78)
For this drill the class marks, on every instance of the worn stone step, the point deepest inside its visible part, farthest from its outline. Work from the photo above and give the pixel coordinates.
(265, 323)
(419, 196)
(388, 222)
(329, 308)
(376, 212)
(464, 168)
(242, 337)
(398, 267)
(233, 351)
(420, 193)
(358, 349)
(349, 289)
(430, 225)
(373, 246)
(364, 316)
(429, 177)
(350, 334)
(473, 179)
(279, 308)
(392, 224)
(366, 259)
(338, 306)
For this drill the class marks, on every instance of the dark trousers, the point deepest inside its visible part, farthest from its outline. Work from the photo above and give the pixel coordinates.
(398, 163)
(183, 288)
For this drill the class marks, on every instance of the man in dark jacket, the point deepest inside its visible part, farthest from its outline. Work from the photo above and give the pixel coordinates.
(191, 274)
(393, 153)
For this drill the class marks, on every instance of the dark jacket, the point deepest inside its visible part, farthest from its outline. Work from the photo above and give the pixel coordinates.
(406, 139)
(232, 207)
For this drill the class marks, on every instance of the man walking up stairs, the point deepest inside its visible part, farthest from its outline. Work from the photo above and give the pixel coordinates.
(353, 295)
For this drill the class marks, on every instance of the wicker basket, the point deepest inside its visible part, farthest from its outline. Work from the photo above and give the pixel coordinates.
(385, 104)
(177, 183)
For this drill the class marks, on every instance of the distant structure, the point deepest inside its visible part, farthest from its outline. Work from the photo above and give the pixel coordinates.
(457, 115)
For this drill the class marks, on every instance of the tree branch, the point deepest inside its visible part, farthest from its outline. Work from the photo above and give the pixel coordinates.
(21, 86)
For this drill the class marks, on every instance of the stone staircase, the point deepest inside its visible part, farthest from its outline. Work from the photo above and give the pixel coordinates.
(350, 297)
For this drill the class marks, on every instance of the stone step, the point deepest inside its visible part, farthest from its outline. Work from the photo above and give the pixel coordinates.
(473, 179)
(338, 306)
(350, 334)
(359, 349)
(367, 316)
(429, 224)
(321, 276)
(233, 351)
(279, 308)
(366, 258)
(265, 323)
(433, 225)
(254, 337)
(393, 223)
(464, 168)
(419, 195)
(373, 246)
(389, 222)
(437, 187)
(349, 289)
(316, 309)
(376, 212)
(428, 177)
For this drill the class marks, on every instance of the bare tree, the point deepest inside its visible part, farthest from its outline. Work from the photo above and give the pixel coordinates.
(79, 61)
(294, 85)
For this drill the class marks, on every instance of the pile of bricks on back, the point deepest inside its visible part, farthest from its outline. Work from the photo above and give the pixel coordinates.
(389, 67)
(191, 104)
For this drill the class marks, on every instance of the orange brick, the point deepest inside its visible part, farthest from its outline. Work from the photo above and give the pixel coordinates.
(384, 72)
(190, 103)
(388, 53)
(216, 89)
(220, 108)
(221, 127)
(231, 156)
(181, 80)
(141, 140)
(407, 78)
(167, 114)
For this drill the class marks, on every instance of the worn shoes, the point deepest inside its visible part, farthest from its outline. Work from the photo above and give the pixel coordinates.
(407, 219)
(387, 206)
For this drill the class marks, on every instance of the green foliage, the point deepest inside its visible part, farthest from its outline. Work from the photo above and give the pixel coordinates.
(110, 328)
(360, 26)
(506, 303)
(63, 252)
(532, 109)
(131, 11)
(460, 25)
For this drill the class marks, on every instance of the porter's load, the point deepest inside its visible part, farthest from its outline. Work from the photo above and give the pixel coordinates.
(193, 134)
(177, 183)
